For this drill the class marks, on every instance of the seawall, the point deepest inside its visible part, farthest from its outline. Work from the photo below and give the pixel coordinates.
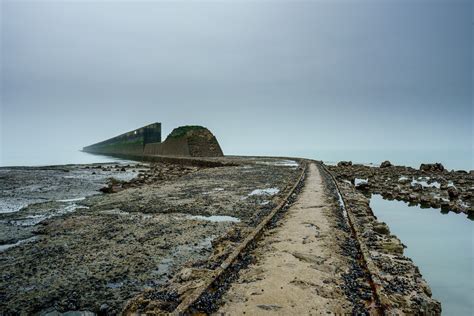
(184, 141)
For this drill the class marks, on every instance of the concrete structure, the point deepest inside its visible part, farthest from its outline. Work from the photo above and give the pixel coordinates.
(132, 142)
(185, 141)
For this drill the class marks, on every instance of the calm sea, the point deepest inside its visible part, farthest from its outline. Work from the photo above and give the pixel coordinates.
(451, 159)
(440, 244)
(46, 158)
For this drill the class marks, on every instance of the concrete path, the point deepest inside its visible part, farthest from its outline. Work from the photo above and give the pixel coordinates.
(298, 268)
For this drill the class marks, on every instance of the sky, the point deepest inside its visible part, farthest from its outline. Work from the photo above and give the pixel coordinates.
(266, 77)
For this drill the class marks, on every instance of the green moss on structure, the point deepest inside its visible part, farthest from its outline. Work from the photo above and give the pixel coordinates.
(183, 130)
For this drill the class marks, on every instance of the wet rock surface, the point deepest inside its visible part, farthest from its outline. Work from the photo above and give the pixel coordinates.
(30, 195)
(112, 246)
(357, 279)
(196, 273)
(401, 288)
(430, 186)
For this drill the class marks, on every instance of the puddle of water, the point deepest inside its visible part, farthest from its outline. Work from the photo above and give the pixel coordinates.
(114, 285)
(12, 205)
(32, 220)
(342, 204)
(115, 211)
(358, 181)
(269, 191)
(162, 269)
(279, 163)
(69, 313)
(5, 247)
(179, 253)
(216, 218)
(72, 200)
(214, 190)
(440, 244)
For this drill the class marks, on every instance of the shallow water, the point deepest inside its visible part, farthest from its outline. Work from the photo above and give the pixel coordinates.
(440, 244)
(8, 246)
(60, 156)
(216, 218)
(268, 191)
(20, 187)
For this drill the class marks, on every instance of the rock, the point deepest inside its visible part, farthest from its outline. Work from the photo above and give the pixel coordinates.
(386, 164)
(431, 167)
(404, 180)
(381, 228)
(417, 187)
(425, 199)
(362, 186)
(444, 204)
(104, 308)
(344, 163)
(413, 198)
(453, 193)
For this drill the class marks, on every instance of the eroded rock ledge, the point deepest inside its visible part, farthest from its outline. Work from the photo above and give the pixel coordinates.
(430, 186)
(398, 283)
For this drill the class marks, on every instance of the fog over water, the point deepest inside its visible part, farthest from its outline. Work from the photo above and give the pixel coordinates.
(269, 77)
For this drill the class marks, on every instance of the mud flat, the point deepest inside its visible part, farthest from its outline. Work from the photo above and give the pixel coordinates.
(111, 246)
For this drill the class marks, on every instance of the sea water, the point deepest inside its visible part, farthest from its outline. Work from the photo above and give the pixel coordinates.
(440, 244)
(49, 158)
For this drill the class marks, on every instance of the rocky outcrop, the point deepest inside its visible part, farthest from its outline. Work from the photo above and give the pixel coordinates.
(432, 186)
(400, 287)
(432, 167)
(190, 141)
(385, 164)
(344, 163)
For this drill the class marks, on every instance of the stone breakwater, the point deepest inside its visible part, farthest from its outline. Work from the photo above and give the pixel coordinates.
(135, 237)
(396, 281)
(154, 239)
(199, 286)
(430, 186)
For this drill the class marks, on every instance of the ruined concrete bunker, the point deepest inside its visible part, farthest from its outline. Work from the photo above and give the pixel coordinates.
(183, 141)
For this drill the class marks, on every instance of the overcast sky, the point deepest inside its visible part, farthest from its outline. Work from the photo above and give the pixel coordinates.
(267, 77)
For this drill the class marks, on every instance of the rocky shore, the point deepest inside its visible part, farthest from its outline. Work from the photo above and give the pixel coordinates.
(131, 237)
(429, 186)
(396, 281)
(142, 237)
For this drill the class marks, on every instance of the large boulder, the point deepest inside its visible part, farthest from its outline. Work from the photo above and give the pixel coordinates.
(431, 167)
(344, 163)
(453, 192)
(417, 187)
(386, 164)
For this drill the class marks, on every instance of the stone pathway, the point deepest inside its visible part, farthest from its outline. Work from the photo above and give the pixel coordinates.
(298, 266)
